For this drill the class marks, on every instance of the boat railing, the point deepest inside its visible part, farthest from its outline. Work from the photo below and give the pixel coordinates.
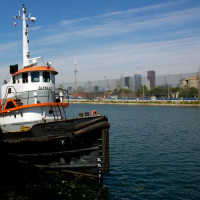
(34, 96)
(58, 106)
(9, 91)
(28, 97)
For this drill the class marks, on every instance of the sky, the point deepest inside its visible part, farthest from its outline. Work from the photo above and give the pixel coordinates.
(107, 38)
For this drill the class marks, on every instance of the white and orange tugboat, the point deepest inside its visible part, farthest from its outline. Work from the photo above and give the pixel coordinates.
(33, 124)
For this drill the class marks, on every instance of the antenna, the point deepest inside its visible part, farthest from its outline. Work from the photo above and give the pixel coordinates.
(108, 86)
(75, 78)
(198, 85)
(26, 55)
(123, 85)
(89, 89)
(168, 87)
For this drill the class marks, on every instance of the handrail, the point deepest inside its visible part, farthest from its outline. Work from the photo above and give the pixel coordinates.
(16, 94)
(60, 110)
(49, 94)
(4, 102)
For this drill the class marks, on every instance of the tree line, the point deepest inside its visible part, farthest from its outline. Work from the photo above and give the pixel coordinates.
(159, 92)
(164, 92)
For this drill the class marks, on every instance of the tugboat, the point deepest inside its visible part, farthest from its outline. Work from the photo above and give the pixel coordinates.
(33, 124)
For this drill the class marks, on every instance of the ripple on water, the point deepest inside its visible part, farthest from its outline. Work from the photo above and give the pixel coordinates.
(154, 154)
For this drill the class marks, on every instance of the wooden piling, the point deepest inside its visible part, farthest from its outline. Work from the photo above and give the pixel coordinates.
(105, 150)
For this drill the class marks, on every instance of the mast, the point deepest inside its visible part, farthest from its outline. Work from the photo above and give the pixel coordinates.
(25, 38)
(26, 55)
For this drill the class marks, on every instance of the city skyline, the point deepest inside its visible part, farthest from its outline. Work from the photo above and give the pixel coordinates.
(110, 84)
(107, 38)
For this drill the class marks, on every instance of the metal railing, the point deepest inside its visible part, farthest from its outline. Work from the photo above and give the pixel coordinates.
(50, 95)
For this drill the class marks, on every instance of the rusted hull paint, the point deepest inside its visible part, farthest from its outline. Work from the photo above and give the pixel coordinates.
(80, 145)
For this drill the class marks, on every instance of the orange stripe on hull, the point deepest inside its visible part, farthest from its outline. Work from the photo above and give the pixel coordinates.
(33, 105)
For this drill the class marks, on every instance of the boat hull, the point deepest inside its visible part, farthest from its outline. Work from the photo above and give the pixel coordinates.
(79, 145)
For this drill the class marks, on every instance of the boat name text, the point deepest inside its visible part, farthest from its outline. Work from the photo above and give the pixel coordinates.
(44, 88)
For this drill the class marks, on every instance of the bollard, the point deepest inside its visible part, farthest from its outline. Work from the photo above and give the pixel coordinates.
(80, 115)
(87, 114)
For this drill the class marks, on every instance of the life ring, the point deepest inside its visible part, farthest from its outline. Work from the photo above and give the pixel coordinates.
(1, 103)
(94, 112)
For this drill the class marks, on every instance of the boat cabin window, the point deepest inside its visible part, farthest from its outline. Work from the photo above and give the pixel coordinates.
(9, 90)
(25, 77)
(52, 78)
(9, 104)
(35, 77)
(46, 77)
(14, 79)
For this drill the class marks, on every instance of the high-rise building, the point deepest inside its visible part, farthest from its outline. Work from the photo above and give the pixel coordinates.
(127, 81)
(122, 82)
(152, 78)
(146, 82)
(132, 84)
(138, 81)
(96, 88)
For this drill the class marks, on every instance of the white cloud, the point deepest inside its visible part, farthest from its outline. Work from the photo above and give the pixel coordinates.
(123, 14)
(111, 58)
(35, 28)
(8, 46)
(124, 25)
(166, 57)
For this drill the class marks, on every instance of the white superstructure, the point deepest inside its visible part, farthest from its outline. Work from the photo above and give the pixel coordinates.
(29, 97)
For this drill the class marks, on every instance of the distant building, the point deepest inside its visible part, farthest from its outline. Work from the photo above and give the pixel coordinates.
(122, 82)
(117, 85)
(70, 90)
(96, 88)
(192, 81)
(146, 81)
(152, 78)
(127, 81)
(80, 89)
(132, 84)
(138, 81)
(79, 95)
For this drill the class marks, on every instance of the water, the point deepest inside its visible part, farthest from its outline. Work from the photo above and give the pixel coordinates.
(154, 154)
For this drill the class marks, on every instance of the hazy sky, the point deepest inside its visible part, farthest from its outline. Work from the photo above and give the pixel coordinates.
(107, 37)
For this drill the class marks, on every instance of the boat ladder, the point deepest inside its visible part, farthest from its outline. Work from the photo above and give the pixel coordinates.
(56, 112)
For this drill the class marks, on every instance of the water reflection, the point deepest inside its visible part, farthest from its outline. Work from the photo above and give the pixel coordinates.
(19, 181)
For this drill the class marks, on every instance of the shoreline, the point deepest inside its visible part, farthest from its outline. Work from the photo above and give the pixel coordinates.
(178, 104)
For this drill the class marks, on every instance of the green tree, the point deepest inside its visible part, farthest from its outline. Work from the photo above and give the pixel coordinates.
(193, 92)
(189, 92)
(126, 91)
(158, 92)
(143, 89)
(175, 89)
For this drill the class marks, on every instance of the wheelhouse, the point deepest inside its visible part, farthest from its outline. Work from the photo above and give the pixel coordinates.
(30, 86)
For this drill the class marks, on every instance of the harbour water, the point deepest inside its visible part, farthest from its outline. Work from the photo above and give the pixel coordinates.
(154, 154)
